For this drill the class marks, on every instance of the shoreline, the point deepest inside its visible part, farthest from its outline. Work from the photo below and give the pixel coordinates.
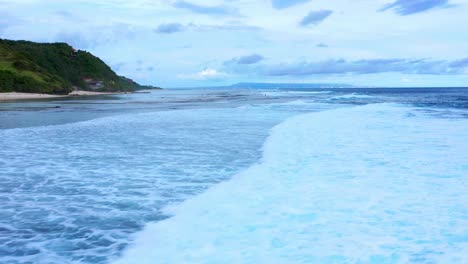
(15, 96)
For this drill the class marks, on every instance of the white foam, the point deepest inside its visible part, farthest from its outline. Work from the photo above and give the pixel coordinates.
(293, 93)
(351, 96)
(290, 103)
(372, 184)
(74, 192)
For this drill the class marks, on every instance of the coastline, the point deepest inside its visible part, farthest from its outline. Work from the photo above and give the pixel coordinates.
(14, 96)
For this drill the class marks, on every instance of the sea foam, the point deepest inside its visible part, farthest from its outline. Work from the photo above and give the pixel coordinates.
(371, 184)
(74, 193)
(294, 93)
(351, 96)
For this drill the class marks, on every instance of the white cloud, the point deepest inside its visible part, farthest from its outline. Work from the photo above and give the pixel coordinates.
(206, 74)
(115, 26)
(209, 73)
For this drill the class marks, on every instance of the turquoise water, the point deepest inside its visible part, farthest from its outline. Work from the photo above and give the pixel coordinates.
(201, 176)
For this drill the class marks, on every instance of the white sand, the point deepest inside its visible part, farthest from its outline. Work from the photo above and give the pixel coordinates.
(23, 96)
(30, 96)
(74, 93)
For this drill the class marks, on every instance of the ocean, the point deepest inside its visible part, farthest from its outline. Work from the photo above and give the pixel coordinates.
(369, 175)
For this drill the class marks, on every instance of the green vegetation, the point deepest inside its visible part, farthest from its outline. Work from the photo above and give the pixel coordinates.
(56, 68)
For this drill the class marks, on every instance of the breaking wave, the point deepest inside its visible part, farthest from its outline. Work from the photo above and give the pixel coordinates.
(379, 183)
(351, 96)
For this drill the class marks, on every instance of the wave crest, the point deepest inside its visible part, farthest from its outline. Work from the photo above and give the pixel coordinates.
(371, 184)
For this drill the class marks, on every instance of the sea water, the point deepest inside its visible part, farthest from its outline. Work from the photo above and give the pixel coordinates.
(202, 176)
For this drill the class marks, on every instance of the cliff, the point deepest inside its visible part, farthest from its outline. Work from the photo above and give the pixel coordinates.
(56, 68)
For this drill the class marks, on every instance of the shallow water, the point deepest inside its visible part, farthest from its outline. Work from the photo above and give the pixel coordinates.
(82, 182)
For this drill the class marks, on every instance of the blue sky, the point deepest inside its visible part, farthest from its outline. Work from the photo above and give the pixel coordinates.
(176, 43)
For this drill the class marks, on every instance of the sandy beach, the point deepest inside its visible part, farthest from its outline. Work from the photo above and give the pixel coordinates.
(32, 96)
(78, 93)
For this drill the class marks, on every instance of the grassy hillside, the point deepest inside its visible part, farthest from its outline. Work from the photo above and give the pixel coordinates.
(55, 68)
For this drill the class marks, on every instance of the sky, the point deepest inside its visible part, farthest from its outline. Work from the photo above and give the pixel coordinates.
(182, 43)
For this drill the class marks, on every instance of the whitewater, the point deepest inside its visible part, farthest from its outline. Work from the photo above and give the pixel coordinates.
(236, 176)
(372, 184)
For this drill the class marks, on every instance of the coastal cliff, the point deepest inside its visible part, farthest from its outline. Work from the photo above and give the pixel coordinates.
(56, 68)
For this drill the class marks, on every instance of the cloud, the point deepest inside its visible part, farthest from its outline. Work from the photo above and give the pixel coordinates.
(249, 59)
(70, 17)
(184, 46)
(209, 73)
(407, 66)
(76, 39)
(280, 4)
(315, 17)
(232, 26)
(91, 37)
(169, 28)
(321, 45)
(409, 7)
(463, 63)
(208, 10)
(206, 74)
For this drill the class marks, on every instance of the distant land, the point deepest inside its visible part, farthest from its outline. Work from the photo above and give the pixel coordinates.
(56, 68)
(289, 85)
